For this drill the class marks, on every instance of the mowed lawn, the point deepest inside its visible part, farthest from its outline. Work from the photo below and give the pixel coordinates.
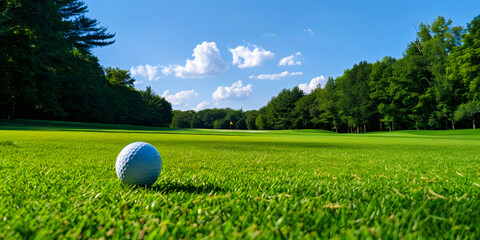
(57, 180)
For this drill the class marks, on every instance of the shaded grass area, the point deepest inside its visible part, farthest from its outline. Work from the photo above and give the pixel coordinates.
(280, 184)
(44, 125)
(49, 125)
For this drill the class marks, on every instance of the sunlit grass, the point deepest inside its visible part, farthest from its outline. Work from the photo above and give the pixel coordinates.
(61, 182)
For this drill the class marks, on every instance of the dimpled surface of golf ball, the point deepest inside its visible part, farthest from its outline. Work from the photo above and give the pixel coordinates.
(139, 163)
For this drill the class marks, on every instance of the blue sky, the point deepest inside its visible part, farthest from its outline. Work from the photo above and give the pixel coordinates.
(240, 54)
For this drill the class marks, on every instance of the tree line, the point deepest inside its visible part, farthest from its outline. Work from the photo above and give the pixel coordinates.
(435, 85)
(47, 69)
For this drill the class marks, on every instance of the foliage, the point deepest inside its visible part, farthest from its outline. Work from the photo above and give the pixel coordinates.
(251, 117)
(183, 119)
(158, 110)
(463, 71)
(49, 72)
(468, 111)
(279, 111)
(226, 118)
(435, 85)
(430, 87)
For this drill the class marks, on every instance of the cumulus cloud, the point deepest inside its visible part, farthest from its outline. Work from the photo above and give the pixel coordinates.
(276, 76)
(180, 97)
(200, 106)
(148, 71)
(314, 83)
(250, 58)
(309, 30)
(291, 60)
(236, 91)
(206, 62)
(166, 70)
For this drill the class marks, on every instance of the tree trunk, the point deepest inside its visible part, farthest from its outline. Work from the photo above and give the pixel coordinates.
(453, 125)
(364, 128)
(473, 122)
(358, 129)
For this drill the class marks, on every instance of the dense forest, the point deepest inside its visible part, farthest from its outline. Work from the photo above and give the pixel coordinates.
(435, 85)
(47, 69)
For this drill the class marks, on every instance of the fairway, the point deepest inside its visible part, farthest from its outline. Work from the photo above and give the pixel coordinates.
(58, 180)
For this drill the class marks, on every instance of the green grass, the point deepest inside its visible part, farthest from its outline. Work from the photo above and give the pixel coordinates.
(57, 180)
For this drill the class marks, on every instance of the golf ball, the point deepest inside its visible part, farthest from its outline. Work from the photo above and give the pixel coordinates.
(139, 163)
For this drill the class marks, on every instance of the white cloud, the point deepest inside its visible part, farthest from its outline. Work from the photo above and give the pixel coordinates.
(166, 70)
(272, 35)
(309, 30)
(250, 58)
(291, 60)
(206, 62)
(180, 97)
(236, 91)
(308, 88)
(151, 72)
(276, 76)
(200, 106)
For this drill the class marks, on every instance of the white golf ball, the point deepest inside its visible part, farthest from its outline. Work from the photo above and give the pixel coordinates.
(139, 163)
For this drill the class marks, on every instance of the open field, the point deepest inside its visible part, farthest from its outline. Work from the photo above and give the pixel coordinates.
(58, 180)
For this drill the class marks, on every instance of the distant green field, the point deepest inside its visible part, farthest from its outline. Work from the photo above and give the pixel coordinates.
(57, 180)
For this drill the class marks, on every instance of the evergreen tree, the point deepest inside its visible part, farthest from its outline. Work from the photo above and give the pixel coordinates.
(280, 110)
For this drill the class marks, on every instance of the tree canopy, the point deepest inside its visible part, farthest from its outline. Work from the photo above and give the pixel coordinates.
(48, 71)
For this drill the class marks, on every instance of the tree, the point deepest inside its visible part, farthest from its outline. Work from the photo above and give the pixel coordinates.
(280, 110)
(221, 124)
(438, 40)
(468, 110)
(241, 124)
(303, 118)
(326, 100)
(464, 72)
(251, 116)
(18, 90)
(381, 78)
(182, 119)
(39, 44)
(206, 118)
(159, 111)
(119, 78)
(354, 96)
(261, 122)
